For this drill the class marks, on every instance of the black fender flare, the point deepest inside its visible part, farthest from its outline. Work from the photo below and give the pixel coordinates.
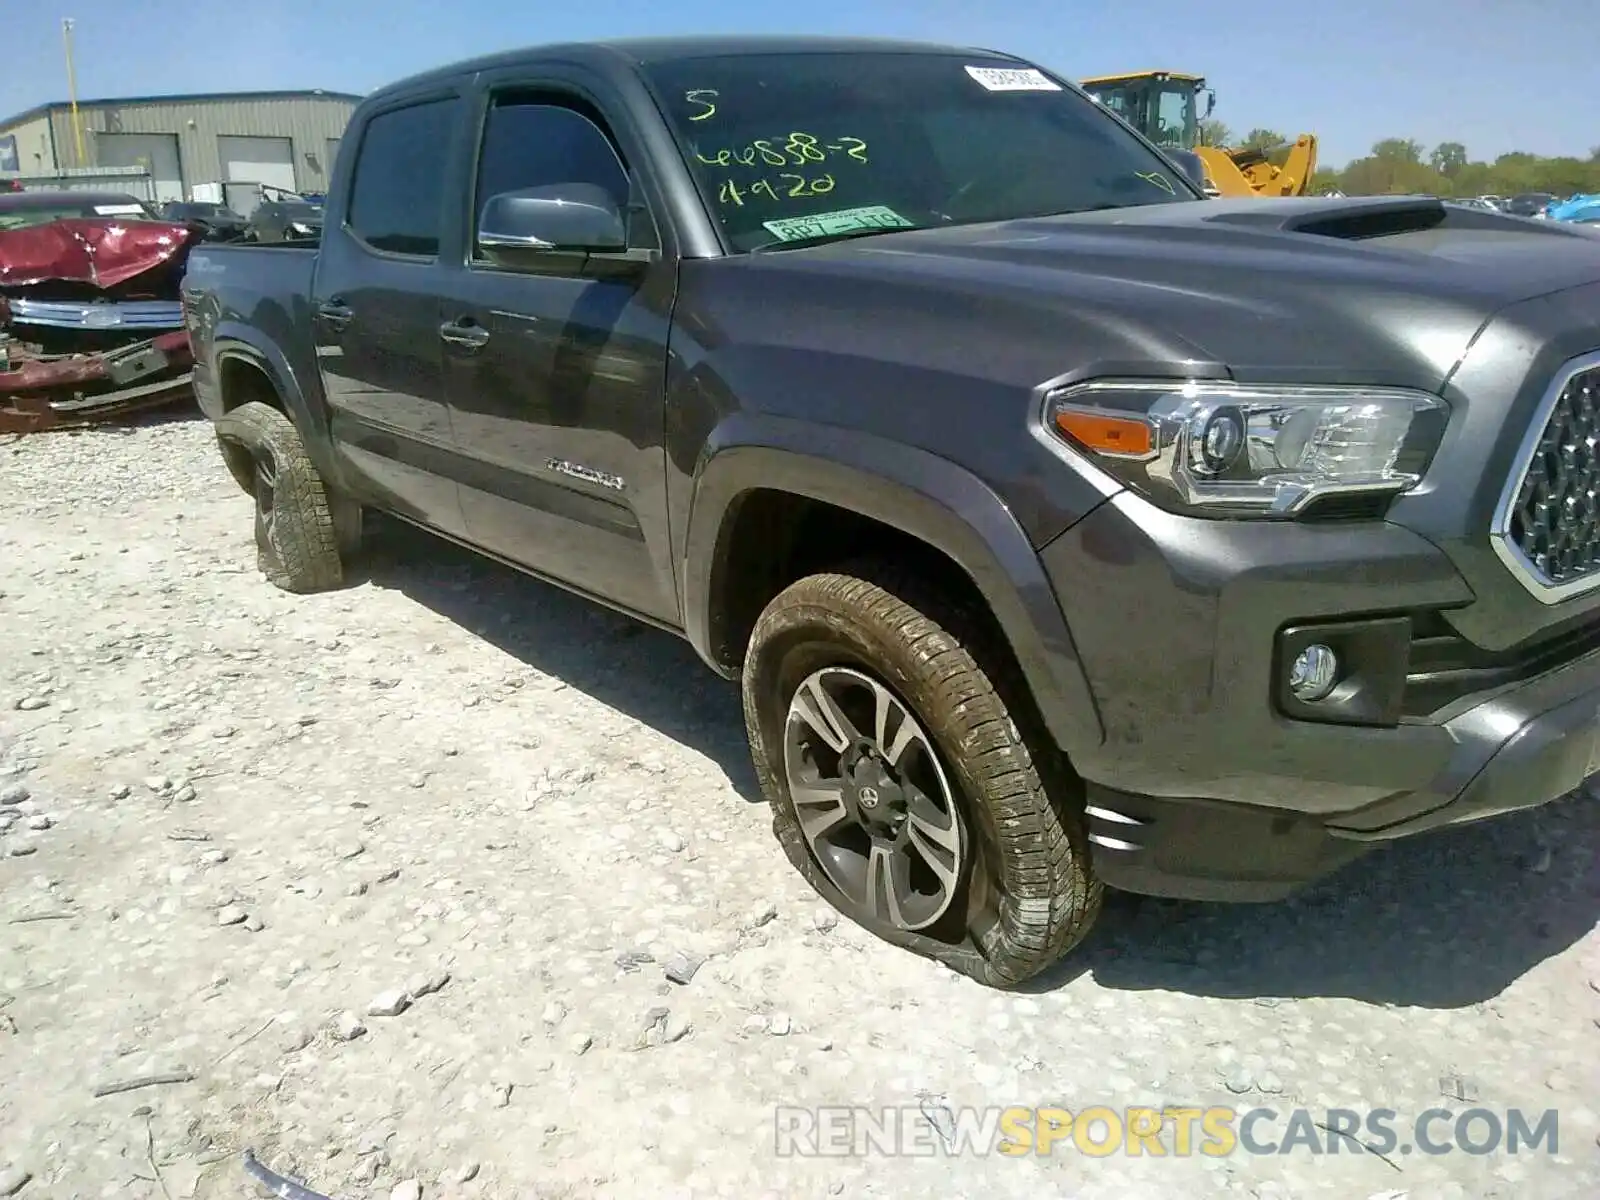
(240, 343)
(925, 496)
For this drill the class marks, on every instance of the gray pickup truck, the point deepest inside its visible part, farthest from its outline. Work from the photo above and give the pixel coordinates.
(1063, 528)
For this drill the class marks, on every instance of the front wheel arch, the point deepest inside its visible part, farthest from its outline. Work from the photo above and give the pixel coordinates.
(928, 499)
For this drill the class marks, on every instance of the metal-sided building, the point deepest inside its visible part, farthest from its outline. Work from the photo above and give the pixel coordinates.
(281, 140)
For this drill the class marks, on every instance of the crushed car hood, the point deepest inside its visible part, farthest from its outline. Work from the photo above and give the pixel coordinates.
(1379, 290)
(103, 253)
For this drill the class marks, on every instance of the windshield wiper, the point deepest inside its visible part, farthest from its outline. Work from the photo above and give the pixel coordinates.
(820, 238)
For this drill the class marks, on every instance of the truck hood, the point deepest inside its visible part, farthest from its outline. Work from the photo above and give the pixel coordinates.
(1380, 290)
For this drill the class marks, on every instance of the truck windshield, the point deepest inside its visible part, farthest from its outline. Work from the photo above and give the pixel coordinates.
(799, 148)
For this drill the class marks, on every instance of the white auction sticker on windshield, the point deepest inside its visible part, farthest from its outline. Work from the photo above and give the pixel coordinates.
(117, 210)
(1013, 79)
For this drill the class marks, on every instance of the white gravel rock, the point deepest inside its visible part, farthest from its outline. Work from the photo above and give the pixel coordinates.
(388, 1004)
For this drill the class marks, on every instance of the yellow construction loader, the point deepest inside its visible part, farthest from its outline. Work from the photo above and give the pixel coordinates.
(1165, 107)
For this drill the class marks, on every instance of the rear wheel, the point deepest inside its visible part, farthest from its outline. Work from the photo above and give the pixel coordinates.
(902, 784)
(301, 530)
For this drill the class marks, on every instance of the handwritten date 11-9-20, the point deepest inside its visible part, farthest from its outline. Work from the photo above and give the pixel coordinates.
(798, 150)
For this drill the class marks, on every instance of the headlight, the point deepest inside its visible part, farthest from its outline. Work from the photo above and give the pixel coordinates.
(298, 227)
(1249, 450)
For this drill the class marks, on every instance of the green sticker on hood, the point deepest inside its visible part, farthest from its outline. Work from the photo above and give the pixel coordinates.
(846, 220)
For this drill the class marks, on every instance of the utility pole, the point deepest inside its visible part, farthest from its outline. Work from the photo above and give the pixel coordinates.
(72, 91)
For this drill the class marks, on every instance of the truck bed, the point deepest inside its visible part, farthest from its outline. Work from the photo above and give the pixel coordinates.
(243, 275)
(262, 285)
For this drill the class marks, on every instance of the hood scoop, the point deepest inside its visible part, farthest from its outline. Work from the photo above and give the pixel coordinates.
(1338, 217)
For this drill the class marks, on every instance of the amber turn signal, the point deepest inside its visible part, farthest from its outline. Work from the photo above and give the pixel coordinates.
(1105, 434)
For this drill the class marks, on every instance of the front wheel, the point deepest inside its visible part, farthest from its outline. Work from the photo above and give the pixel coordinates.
(903, 786)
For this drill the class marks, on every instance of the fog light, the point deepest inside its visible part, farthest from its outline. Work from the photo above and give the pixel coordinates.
(1315, 671)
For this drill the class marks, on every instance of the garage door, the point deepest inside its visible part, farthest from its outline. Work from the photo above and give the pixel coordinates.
(266, 160)
(157, 153)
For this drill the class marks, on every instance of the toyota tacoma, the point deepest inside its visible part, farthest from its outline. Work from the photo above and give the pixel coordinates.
(1063, 528)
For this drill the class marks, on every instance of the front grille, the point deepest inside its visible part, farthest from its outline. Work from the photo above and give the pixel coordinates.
(72, 314)
(1551, 524)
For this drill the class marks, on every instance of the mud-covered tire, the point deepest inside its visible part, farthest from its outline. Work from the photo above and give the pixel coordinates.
(1028, 895)
(297, 534)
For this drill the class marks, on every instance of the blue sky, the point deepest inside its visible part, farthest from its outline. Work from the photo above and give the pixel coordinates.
(1495, 74)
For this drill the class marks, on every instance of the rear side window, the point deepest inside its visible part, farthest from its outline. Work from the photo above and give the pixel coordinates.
(397, 193)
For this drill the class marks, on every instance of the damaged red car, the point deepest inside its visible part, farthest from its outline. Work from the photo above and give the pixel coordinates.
(91, 321)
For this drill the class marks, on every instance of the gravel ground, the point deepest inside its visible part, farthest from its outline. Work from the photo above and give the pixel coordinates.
(241, 827)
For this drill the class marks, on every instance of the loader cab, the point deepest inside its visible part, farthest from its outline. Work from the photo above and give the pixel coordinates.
(1165, 106)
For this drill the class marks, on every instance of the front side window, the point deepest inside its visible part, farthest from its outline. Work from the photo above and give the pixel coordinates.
(533, 144)
(802, 147)
(532, 141)
(397, 194)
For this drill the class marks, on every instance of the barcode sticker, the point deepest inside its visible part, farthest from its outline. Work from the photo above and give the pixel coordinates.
(1013, 79)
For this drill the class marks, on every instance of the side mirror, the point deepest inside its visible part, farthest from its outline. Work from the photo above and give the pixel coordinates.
(563, 216)
(1191, 165)
(1211, 103)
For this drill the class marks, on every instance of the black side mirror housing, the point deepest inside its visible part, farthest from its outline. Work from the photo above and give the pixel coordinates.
(569, 217)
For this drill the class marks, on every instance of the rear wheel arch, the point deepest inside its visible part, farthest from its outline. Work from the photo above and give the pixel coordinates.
(247, 372)
(243, 378)
(757, 509)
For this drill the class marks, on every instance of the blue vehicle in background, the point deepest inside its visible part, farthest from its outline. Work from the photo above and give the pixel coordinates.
(1582, 207)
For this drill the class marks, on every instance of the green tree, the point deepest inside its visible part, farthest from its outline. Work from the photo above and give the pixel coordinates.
(1263, 139)
(1406, 150)
(1326, 180)
(1214, 133)
(1448, 158)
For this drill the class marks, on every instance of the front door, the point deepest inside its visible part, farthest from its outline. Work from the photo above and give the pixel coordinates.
(375, 309)
(556, 370)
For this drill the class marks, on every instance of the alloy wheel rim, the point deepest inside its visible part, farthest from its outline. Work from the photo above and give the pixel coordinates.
(872, 798)
(266, 491)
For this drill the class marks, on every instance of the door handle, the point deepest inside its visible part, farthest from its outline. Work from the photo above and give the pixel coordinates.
(465, 333)
(335, 314)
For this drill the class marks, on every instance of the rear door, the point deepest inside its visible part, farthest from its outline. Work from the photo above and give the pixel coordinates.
(556, 367)
(375, 309)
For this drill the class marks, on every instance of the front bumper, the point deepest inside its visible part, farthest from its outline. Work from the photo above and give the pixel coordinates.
(1202, 788)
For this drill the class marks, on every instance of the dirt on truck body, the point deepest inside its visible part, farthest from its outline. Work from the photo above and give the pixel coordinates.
(1062, 528)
